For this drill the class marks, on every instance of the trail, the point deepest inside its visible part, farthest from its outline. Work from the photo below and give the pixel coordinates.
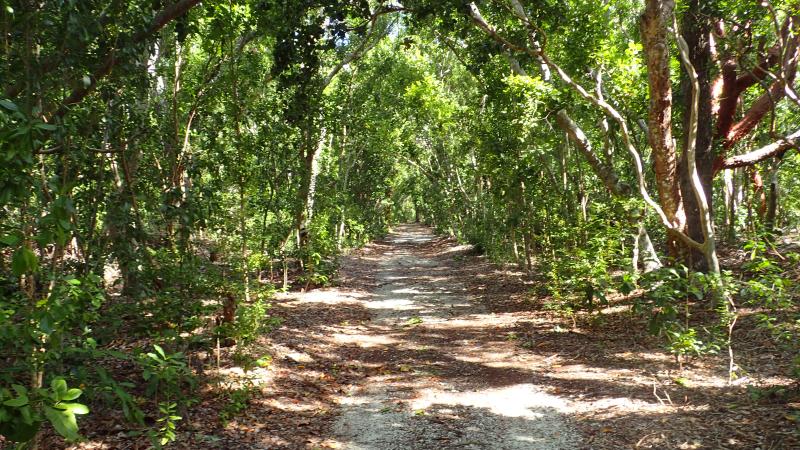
(445, 377)
(423, 344)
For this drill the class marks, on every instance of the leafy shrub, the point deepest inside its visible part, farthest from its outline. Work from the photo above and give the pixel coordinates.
(167, 376)
(237, 401)
(767, 286)
(670, 294)
(166, 425)
(252, 319)
(111, 390)
(23, 411)
(581, 278)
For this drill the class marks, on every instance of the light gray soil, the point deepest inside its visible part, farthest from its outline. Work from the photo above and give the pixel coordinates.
(445, 402)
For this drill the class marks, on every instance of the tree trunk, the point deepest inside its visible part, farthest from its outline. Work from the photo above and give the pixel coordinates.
(731, 203)
(696, 31)
(758, 194)
(772, 200)
(654, 22)
(647, 256)
(312, 168)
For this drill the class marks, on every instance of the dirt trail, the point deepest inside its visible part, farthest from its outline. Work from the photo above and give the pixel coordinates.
(439, 387)
(425, 345)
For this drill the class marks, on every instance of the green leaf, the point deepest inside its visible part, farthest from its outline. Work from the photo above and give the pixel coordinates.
(681, 381)
(10, 240)
(63, 421)
(24, 261)
(71, 394)
(46, 126)
(59, 385)
(19, 431)
(9, 105)
(16, 402)
(46, 324)
(20, 389)
(160, 351)
(76, 408)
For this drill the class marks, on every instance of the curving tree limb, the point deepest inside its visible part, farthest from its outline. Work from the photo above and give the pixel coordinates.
(110, 60)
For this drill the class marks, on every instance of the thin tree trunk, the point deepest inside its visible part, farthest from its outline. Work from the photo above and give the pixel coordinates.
(648, 257)
(772, 199)
(696, 30)
(654, 23)
(730, 203)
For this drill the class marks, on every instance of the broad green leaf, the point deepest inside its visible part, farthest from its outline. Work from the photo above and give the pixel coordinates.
(45, 324)
(24, 261)
(71, 394)
(20, 389)
(59, 385)
(160, 351)
(76, 408)
(16, 402)
(63, 421)
(10, 240)
(9, 105)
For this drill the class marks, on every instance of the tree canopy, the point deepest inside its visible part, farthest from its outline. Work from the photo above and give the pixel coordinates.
(169, 164)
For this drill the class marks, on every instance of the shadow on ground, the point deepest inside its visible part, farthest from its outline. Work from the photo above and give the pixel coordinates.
(427, 361)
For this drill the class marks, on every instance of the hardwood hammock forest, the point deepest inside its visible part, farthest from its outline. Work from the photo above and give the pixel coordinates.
(415, 224)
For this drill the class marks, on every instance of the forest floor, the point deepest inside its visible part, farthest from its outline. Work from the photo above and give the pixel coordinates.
(423, 344)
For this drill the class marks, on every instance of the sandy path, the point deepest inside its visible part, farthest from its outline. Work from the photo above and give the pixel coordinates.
(440, 382)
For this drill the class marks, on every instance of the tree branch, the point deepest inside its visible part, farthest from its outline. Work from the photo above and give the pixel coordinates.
(708, 246)
(365, 46)
(604, 172)
(757, 111)
(606, 108)
(774, 150)
(167, 15)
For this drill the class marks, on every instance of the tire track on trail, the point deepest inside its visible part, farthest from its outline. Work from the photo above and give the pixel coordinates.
(444, 375)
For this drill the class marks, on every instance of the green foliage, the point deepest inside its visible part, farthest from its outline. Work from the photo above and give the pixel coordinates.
(671, 296)
(684, 342)
(166, 424)
(236, 401)
(582, 277)
(770, 288)
(167, 376)
(767, 284)
(58, 326)
(22, 411)
(252, 320)
(24, 261)
(118, 392)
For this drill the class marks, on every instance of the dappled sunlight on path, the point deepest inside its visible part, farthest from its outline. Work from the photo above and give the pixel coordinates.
(425, 345)
(432, 390)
